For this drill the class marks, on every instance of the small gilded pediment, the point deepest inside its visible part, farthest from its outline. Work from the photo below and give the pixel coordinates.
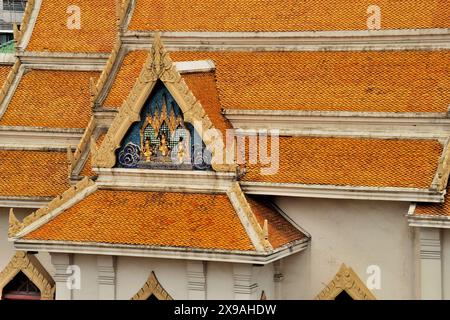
(161, 124)
(162, 139)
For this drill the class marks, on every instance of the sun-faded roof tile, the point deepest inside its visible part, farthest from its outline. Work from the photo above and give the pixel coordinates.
(56, 31)
(370, 81)
(127, 75)
(351, 162)
(33, 173)
(206, 221)
(48, 98)
(281, 231)
(288, 15)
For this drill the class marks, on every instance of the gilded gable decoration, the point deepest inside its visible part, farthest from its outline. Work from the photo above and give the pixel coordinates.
(161, 139)
(29, 265)
(159, 68)
(152, 288)
(346, 280)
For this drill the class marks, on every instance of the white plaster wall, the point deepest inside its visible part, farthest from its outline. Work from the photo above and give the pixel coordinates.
(89, 284)
(7, 248)
(263, 276)
(446, 263)
(132, 274)
(219, 281)
(357, 233)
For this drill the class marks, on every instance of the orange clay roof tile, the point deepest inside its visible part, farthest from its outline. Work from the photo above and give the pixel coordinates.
(286, 15)
(33, 173)
(434, 209)
(375, 81)
(4, 71)
(203, 86)
(96, 34)
(47, 98)
(206, 221)
(406, 81)
(352, 162)
(127, 75)
(281, 231)
(87, 168)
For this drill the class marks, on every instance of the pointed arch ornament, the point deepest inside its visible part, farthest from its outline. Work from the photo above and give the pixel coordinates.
(152, 287)
(159, 67)
(346, 280)
(33, 270)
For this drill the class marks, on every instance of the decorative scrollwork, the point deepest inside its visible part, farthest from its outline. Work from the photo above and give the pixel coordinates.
(201, 157)
(130, 155)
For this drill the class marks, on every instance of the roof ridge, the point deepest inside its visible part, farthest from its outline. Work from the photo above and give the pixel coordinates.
(261, 241)
(16, 228)
(97, 88)
(18, 34)
(8, 83)
(82, 146)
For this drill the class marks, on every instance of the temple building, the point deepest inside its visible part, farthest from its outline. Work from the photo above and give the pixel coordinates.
(245, 149)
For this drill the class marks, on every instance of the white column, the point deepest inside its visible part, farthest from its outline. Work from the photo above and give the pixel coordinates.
(106, 277)
(278, 279)
(244, 286)
(430, 264)
(196, 277)
(61, 261)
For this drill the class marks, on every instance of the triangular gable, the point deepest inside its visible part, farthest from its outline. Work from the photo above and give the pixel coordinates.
(159, 67)
(346, 280)
(32, 268)
(152, 287)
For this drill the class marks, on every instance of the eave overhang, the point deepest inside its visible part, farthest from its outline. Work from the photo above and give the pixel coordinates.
(24, 202)
(342, 123)
(343, 192)
(252, 257)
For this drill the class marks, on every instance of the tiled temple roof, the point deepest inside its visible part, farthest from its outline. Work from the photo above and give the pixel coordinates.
(376, 81)
(161, 219)
(352, 162)
(96, 34)
(33, 173)
(4, 70)
(292, 15)
(48, 98)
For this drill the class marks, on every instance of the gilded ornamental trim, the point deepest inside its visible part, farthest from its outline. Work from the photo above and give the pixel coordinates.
(33, 269)
(73, 158)
(15, 226)
(261, 232)
(159, 66)
(9, 80)
(443, 171)
(152, 287)
(96, 89)
(18, 34)
(346, 280)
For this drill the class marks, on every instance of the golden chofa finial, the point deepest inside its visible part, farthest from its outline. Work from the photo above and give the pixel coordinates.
(14, 224)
